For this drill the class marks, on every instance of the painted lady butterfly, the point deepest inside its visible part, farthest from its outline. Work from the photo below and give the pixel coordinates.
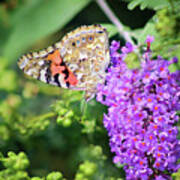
(77, 62)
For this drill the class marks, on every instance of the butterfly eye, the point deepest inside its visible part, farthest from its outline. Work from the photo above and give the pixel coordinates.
(100, 32)
(73, 43)
(83, 39)
(90, 38)
(78, 42)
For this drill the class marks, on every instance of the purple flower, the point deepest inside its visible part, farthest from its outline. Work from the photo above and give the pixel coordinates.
(149, 39)
(141, 117)
(128, 48)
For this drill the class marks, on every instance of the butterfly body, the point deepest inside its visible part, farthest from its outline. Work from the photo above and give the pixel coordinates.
(77, 62)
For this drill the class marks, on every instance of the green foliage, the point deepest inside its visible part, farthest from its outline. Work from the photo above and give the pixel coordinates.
(70, 111)
(10, 77)
(86, 170)
(166, 24)
(16, 122)
(142, 33)
(153, 4)
(164, 27)
(15, 162)
(44, 129)
(176, 175)
(132, 61)
(15, 166)
(36, 16)
(54, 176)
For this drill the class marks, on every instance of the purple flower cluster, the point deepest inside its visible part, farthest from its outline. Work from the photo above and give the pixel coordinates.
(142, 105)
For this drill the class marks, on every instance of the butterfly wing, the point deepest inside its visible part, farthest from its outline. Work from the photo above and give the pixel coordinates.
(86, 53)
(47, 67)
(77, 62)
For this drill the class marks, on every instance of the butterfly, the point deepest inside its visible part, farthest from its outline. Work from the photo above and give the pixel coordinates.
(77, 62)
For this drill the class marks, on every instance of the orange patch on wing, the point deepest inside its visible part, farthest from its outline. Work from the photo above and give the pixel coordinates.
(72, 78)
(57, 68)
(55, 57)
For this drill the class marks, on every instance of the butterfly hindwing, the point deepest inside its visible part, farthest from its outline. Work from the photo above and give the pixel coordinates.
(77, 62)
(48, 67)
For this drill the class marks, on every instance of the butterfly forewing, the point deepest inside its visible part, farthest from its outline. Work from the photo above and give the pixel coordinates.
(77, 62)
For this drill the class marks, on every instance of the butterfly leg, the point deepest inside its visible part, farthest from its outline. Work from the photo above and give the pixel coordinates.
(101, 77)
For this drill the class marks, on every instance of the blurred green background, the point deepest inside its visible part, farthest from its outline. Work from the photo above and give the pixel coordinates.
(43, 133)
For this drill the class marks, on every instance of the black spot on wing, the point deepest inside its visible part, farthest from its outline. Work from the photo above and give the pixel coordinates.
(65, 72)
(67, 84)
(56, 80)
(100, 32)
(48, 75)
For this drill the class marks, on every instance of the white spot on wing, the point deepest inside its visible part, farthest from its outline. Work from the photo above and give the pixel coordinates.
(31, 71)
(23, 63)
(42, 53)
(102, 39)
(35, 55)
(73, 67)
(83, 55)
(50, 49)
(79, 75)
(41, 62)
(58, 45)
(61, 80)
(43, 75)
(63, 51)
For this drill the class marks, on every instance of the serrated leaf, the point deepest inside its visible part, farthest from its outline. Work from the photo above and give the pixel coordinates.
(43, 18)
(153, 4)
(133, 4)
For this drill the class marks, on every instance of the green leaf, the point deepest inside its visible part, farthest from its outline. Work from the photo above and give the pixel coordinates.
(54, 176)
(39, 20)
(149, 29)
(4, 26)
(173, 68)
(153, 4)
(133, 4)
(132, 61)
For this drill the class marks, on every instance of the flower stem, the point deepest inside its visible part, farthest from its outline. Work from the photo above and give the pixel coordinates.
(109, 13)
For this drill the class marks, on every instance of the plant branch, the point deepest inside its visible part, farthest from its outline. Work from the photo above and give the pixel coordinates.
(47, 115)
(109, 13)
